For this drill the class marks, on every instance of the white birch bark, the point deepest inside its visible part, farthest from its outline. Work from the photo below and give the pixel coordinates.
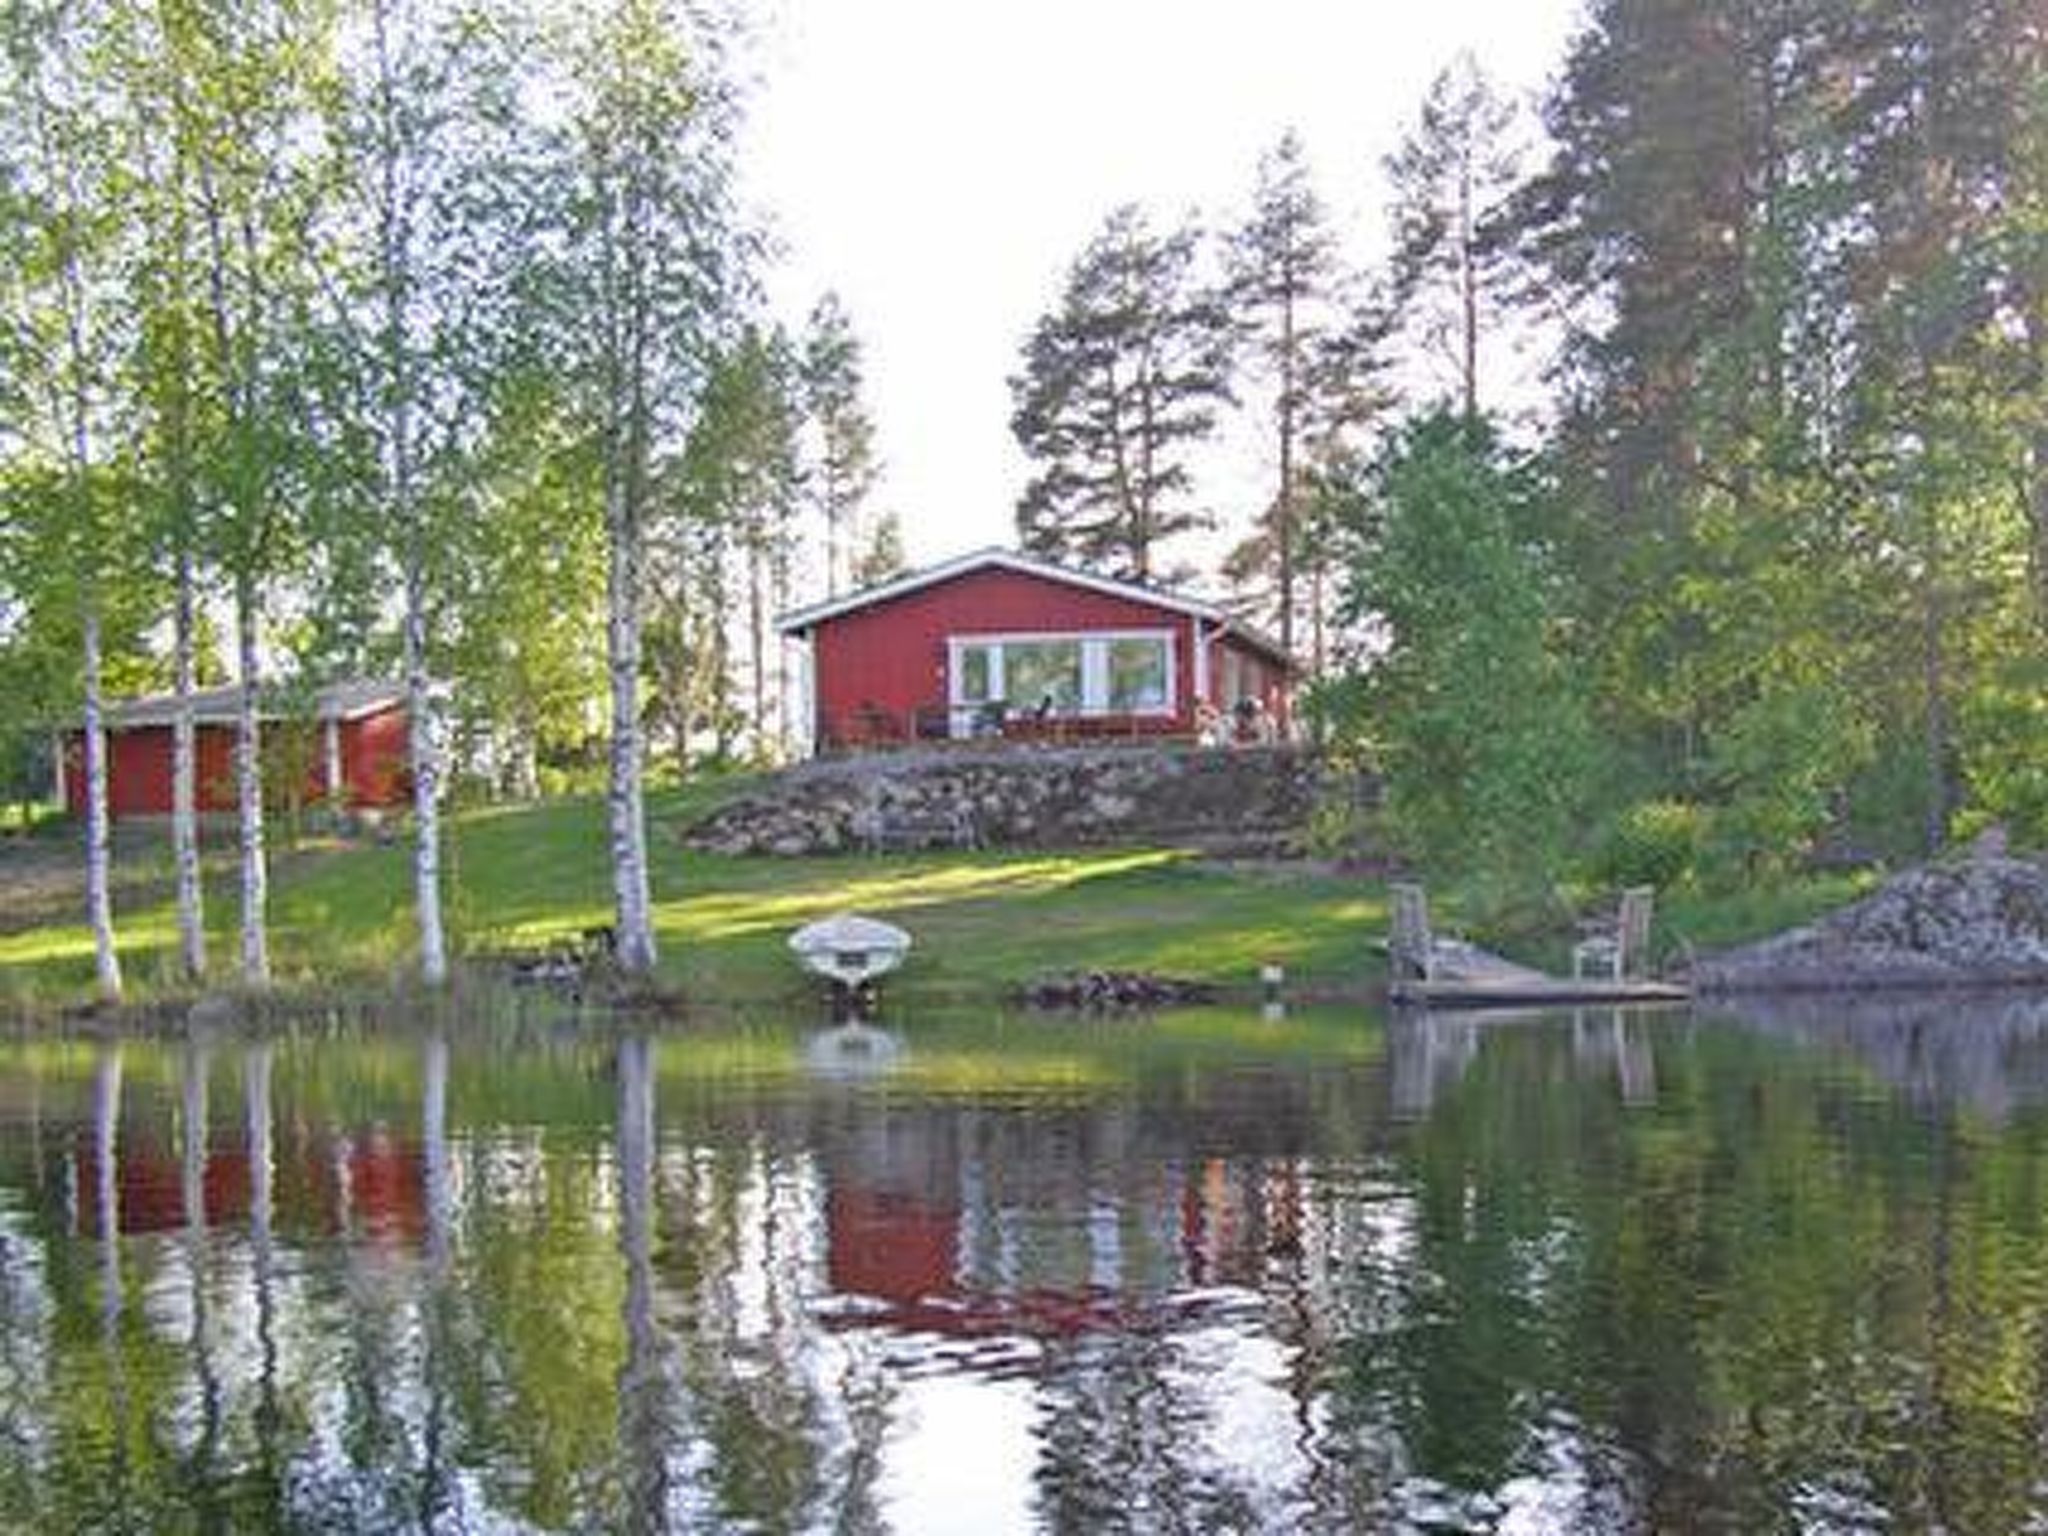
(396, 263)
(255, 879)
(73, 401)
(627, 806)
(98, 839)
(426, 791)
(185, 781)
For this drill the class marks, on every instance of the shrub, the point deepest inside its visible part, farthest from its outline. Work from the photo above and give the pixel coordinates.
(1654, 842)
(2004, 751)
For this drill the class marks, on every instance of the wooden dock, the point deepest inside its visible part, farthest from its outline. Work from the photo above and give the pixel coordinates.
(1466, 976)
(1540, 991)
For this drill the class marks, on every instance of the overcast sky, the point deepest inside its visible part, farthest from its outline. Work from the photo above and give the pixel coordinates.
(941, 162)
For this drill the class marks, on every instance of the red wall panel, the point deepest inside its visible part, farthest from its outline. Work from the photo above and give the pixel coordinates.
(892, 657)
(373, 758)
(139, 766)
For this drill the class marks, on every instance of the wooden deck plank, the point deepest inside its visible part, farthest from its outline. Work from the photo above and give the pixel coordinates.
(1532, 989)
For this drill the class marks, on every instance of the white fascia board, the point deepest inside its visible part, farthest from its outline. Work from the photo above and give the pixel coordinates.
(998, 559)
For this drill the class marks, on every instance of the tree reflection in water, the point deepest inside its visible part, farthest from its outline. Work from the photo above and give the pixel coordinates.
(1604, 1271)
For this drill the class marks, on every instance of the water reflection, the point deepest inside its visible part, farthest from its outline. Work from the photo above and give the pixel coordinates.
(1603, 1271)
(1987, 1051)
(1429, 1051)
(853, 1051)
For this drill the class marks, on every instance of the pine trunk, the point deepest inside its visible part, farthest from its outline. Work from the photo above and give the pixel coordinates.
(757, 646)
(2037, 507)
(1468, 294)
(185, 779)
(1934, 689)
(249, 792)
(832, 532)
(1283, 511)
(98, 840)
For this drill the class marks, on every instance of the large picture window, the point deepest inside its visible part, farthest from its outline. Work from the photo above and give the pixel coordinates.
(1129, 673)
(1140, 675)
(1042, 674)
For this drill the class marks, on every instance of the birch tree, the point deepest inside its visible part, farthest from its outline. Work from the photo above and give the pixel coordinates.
(64, 320)
(422, 119)
(643, 159)
(169, 398)
(252, 79)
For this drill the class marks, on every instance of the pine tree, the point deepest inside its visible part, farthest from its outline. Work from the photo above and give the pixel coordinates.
(1452, 180)
(1119, 384)
(1318, 347)
(884, 556)
(831, 374)
(1793, 239)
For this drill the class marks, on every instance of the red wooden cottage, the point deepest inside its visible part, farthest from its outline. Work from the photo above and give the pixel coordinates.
(998, 643)
(356, 760)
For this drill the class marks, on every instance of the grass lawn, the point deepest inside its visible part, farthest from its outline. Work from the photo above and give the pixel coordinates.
(521, 876)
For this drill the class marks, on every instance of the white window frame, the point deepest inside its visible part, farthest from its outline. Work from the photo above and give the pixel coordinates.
(1094, 644)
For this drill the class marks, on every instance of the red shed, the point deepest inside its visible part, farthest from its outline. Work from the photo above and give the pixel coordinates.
(357, 758)
(998, 643)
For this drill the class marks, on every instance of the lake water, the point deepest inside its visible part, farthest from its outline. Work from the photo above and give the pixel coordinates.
(1603, 1272)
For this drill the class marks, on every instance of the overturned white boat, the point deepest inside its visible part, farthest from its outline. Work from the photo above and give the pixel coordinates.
(849, 949)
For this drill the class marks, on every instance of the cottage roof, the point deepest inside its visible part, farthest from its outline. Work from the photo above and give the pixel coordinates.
(802, 620)
(350, 699)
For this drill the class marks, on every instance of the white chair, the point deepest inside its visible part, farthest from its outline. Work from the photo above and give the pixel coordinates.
(1622, 947)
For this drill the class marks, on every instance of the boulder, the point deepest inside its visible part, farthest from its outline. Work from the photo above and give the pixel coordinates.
(1980, 921)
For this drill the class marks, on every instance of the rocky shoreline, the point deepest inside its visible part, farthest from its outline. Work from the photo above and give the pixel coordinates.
(1981, 921)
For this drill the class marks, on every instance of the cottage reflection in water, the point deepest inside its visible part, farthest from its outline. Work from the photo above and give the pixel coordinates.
(1605, 1271)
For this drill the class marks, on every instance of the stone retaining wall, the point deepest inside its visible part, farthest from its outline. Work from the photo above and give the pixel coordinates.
(1230, 800)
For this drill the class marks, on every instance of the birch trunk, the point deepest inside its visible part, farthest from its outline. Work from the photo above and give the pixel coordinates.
(185, 780)
(98, 885)
(249, 792)
(395, 258)
(426, 786)
(631, 899)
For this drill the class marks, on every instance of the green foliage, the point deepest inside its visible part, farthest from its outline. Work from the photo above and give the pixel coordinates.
(1469, 710)
(2003, 740)
(1781, 771)
(1654, 842)
(1803, 511)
